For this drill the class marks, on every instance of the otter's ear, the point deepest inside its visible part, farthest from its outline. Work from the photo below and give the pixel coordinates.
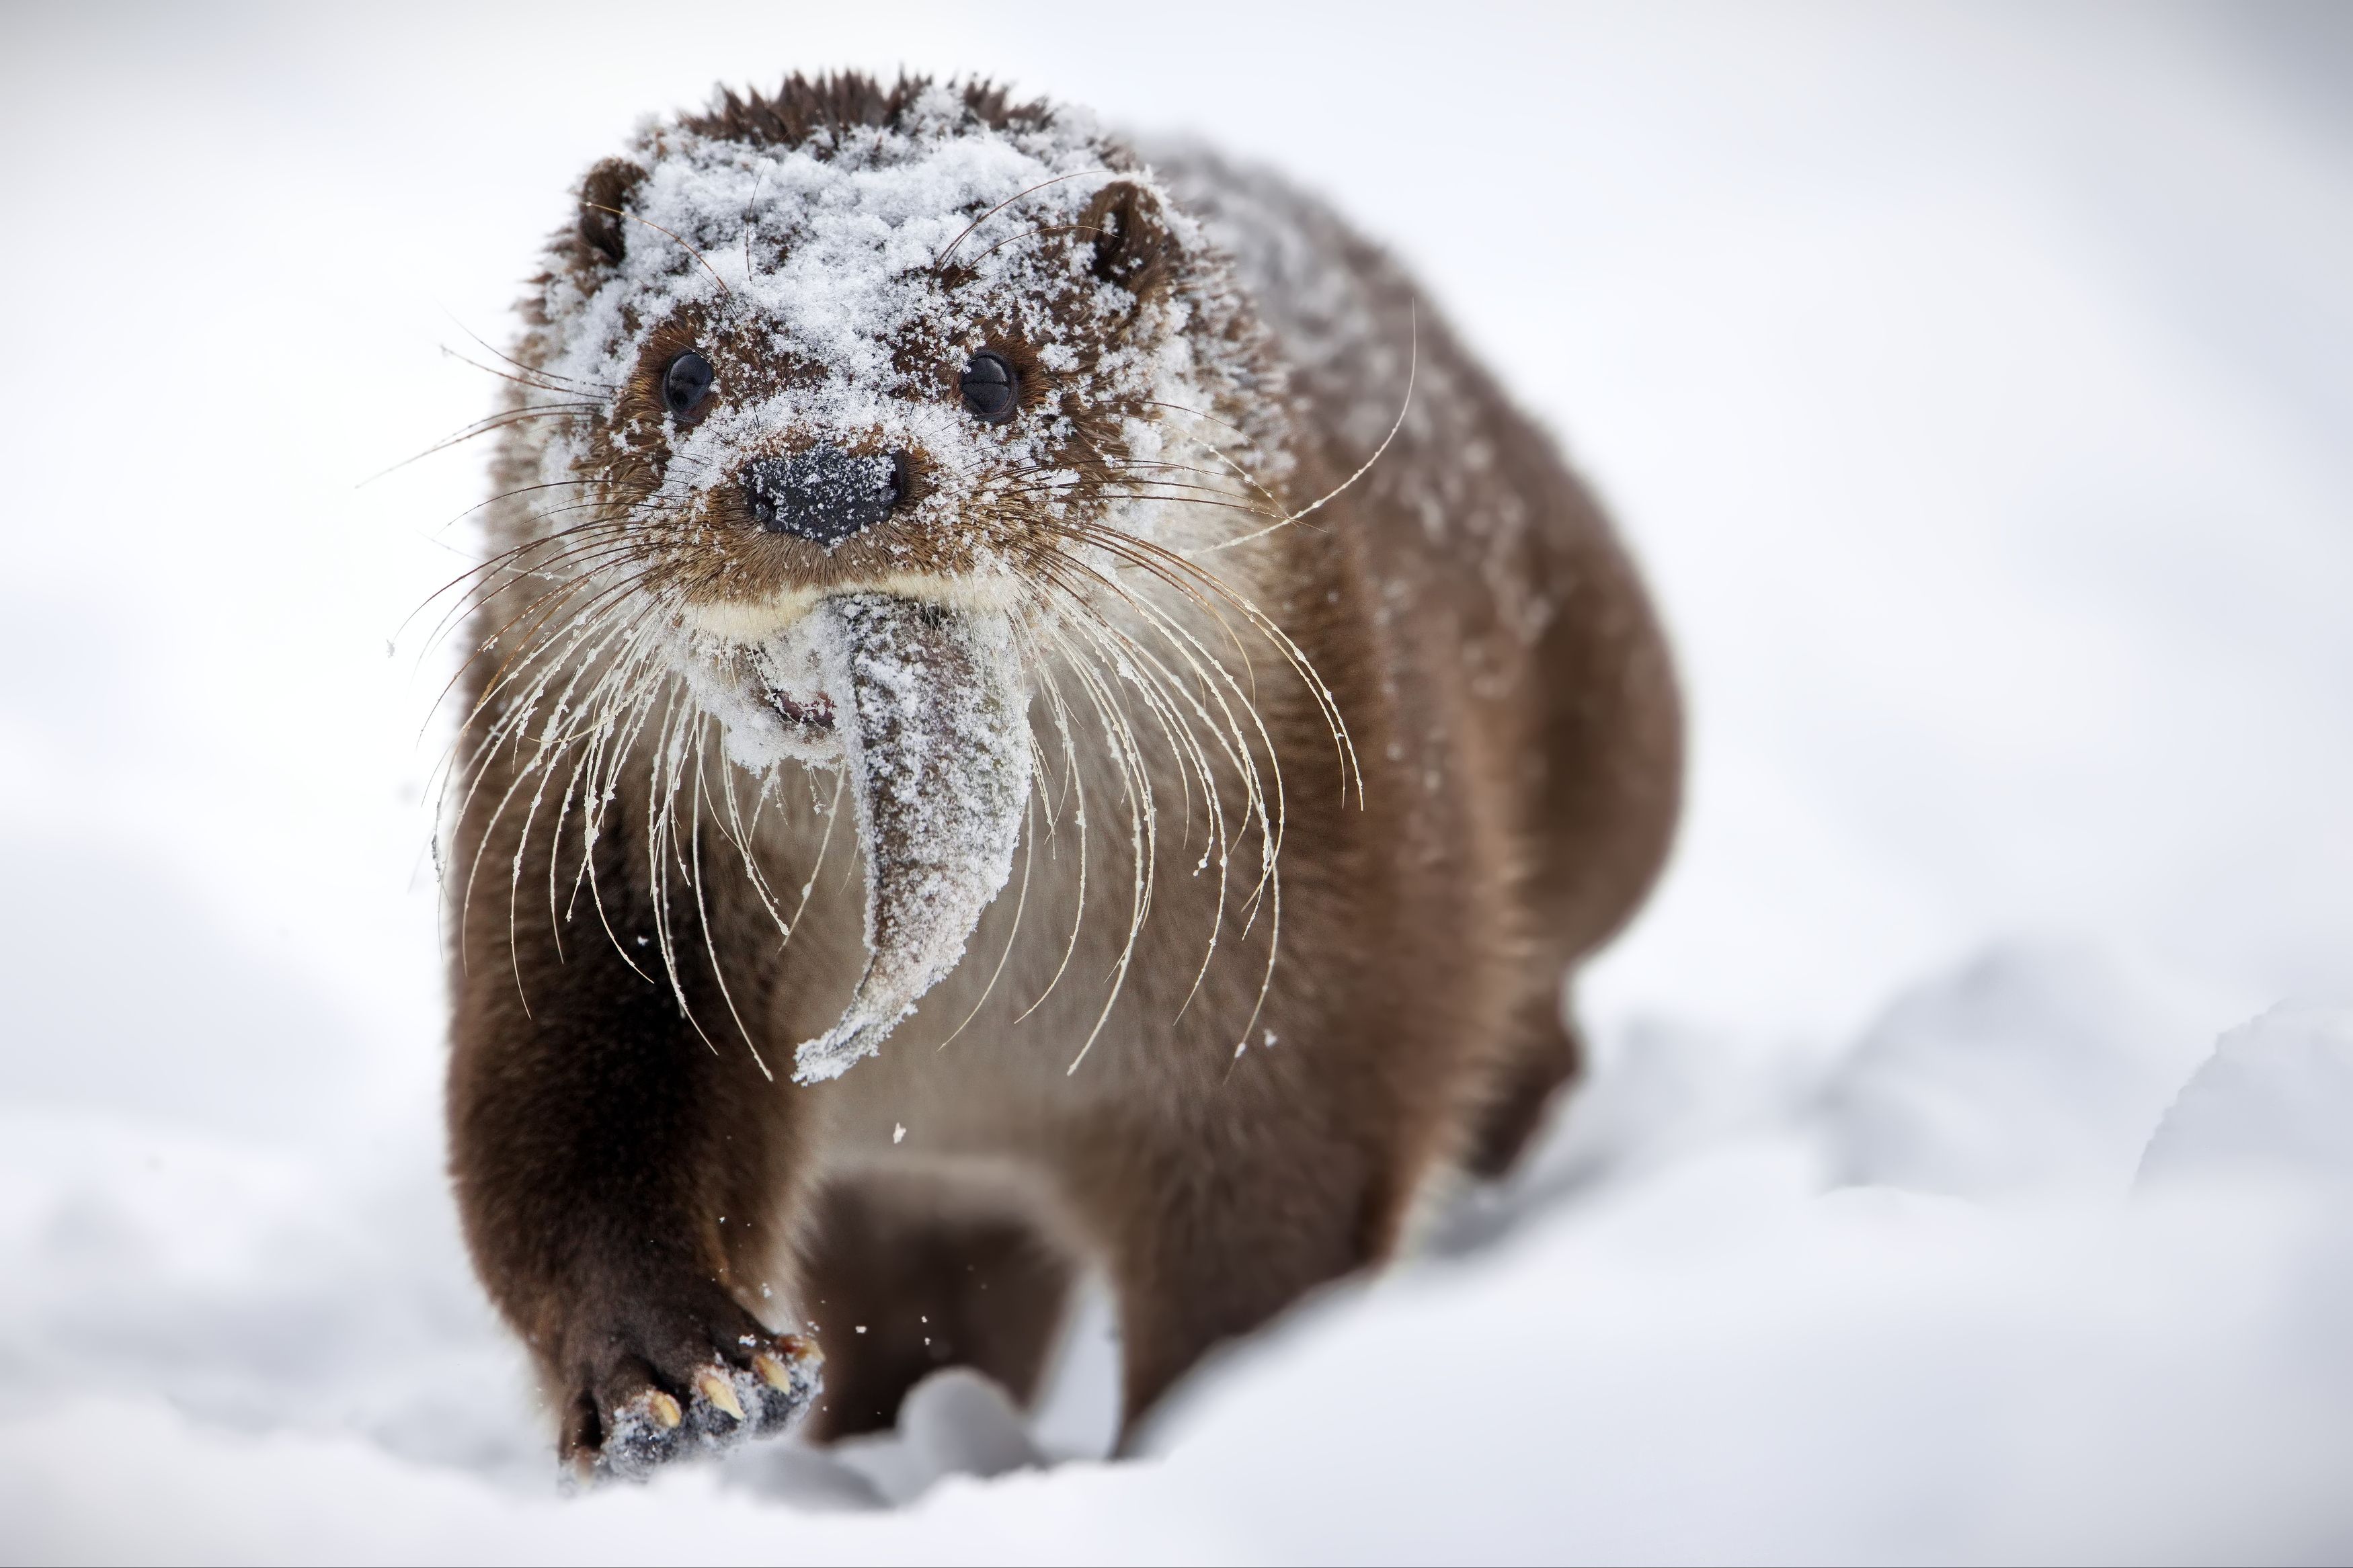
(1133, 245)
(602, 195)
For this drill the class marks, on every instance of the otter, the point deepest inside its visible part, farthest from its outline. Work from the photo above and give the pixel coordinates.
(1027, 712)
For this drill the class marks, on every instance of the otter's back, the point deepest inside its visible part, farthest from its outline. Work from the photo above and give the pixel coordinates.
(1479, 539)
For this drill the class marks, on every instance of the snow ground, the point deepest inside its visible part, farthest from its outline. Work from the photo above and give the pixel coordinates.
(1973, 384)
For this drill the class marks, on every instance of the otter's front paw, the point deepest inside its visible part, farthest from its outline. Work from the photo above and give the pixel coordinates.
(677, 1383)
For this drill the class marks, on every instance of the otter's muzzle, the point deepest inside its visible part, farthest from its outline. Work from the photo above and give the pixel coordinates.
(823, 494)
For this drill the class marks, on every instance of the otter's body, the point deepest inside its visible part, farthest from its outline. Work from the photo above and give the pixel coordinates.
(1249, 1115)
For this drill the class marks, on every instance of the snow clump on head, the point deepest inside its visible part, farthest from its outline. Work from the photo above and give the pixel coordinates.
(843, 281)
(841, 414)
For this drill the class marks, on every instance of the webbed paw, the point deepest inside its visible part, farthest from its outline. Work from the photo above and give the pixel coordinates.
(681, 1383)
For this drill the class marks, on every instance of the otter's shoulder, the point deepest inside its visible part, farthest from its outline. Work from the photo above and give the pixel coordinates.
(1469, 488)
(1340, 311)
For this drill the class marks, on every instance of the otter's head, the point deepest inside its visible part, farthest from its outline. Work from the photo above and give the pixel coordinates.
(877, 400)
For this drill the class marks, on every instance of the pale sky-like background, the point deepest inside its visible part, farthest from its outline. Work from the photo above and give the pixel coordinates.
(1972, 382)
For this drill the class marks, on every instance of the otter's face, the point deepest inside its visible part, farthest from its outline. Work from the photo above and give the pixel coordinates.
(942, 362)
(853, 429)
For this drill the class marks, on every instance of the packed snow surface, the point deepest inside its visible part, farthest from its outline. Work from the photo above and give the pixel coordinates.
(1963, 1174)
(1679, 1335)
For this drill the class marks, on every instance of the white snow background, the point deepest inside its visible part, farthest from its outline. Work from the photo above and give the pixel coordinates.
(1975, 384)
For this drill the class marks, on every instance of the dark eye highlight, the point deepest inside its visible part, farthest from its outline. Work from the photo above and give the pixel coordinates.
(991, 389)
(686, 385)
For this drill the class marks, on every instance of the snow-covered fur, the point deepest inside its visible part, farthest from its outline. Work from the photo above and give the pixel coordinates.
(1201, 655)
(835, 285)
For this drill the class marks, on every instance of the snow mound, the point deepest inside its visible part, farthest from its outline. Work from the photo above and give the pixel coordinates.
(1727, 1362)
(2276, 1098)
(2036, 1067)
(1675, 1336)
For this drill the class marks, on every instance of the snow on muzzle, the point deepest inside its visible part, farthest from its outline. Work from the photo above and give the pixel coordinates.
(934, 721)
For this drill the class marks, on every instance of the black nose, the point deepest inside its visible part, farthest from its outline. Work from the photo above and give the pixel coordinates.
(824, 495)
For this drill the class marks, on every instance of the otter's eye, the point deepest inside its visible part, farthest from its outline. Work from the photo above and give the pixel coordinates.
(685, 385)
(989, 386)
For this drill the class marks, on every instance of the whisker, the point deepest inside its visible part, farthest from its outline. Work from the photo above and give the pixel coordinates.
(483, 426)
(942, 259)
(616, 211)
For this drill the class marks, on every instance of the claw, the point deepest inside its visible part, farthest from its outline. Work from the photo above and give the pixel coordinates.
(663, 1409)
(712, 1385)
(772, 1372)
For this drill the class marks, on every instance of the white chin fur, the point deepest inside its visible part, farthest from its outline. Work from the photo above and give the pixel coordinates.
(748, 622)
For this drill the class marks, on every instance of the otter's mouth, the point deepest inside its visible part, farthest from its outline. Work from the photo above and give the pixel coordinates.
(924, 706)
(812, 714)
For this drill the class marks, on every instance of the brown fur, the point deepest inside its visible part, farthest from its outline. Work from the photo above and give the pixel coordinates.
(640, 1200)
(821, 106)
